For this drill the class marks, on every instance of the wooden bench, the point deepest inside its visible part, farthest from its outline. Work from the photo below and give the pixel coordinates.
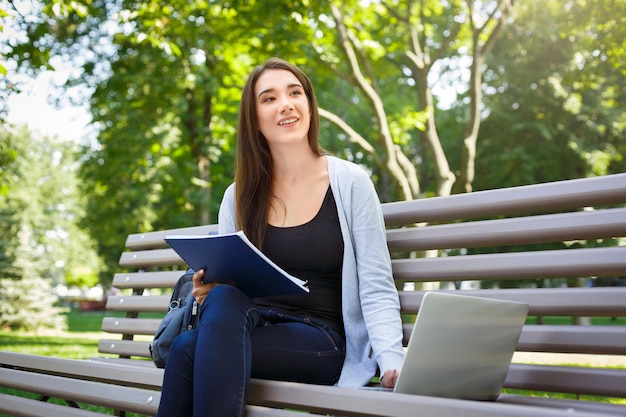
(485, 229)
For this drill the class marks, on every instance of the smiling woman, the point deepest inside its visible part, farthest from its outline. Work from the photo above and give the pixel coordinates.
(319, 218)
(283, 108)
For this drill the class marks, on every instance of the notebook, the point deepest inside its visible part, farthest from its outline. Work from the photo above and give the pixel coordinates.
(232, 259)
(461, 347)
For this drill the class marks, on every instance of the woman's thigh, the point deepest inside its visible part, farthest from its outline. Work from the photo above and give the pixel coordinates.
(305, 350)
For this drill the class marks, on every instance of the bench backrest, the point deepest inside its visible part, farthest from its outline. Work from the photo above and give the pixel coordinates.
(524, 234)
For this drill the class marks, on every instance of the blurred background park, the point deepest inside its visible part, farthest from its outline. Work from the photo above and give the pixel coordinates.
(433, 97)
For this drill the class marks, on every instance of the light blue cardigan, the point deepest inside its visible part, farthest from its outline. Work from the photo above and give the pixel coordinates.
(370, 304)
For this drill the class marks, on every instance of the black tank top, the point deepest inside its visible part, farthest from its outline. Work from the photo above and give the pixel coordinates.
(312, 251)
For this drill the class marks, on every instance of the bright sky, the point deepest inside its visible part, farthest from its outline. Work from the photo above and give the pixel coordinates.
(32, 108)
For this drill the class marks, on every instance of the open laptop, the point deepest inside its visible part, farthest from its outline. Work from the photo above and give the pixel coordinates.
(461, 346)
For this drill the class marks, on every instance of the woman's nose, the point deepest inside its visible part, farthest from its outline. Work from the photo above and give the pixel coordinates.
(285, 105)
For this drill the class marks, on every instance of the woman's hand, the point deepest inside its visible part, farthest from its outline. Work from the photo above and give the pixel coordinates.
(200, 290)
(389, 378)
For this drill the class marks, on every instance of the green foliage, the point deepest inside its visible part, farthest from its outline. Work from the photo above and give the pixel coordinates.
(557, 109)
(40, 242)
(8, 155)
(164, 82)
(165, 152)
(168, 111)
(28, 304)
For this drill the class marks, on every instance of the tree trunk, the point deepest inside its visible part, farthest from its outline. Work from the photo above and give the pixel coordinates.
(445, 177)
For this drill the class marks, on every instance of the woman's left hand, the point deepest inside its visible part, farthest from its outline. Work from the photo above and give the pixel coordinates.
(389, 378)
(200, 290)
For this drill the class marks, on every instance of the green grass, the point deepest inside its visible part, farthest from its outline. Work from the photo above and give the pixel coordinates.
(79, 341)
(565, 396)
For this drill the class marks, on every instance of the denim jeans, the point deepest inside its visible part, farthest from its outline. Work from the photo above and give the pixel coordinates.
(209, 368)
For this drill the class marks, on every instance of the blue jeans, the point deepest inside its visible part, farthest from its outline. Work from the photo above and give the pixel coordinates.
(209, 368)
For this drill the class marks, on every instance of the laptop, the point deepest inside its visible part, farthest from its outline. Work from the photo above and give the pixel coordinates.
(461, 347)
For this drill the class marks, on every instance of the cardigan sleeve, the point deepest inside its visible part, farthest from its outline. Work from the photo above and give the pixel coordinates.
(377, 291)
(371, 307)
(227, 219)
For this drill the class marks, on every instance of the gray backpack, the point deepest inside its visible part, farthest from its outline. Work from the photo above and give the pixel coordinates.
(181, 316)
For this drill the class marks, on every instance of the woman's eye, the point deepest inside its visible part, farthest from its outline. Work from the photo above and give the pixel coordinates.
(268, 99)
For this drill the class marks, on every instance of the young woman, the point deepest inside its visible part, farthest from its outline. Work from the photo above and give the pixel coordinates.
(319, 218)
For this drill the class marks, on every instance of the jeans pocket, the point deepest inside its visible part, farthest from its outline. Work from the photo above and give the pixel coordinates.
(334, 338)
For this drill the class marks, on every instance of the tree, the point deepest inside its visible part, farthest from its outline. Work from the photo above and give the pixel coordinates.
(558, 110)
(166, 85)
(164, 82)
(410, 42)
(167, 111)
(40, 242)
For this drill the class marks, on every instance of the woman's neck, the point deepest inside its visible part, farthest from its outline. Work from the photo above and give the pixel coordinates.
(292, 167)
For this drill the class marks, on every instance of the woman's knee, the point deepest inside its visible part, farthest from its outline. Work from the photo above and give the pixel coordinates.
(225, 306)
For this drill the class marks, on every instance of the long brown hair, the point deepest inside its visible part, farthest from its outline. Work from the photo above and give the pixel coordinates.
(253, 174)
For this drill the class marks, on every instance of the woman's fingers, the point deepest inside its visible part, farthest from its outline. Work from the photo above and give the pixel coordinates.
(201, 290)
(389, 378)
(197, 278)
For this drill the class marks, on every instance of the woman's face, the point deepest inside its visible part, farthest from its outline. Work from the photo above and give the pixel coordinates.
(282, 107)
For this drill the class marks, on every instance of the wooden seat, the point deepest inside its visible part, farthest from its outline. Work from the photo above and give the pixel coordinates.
(519, 237)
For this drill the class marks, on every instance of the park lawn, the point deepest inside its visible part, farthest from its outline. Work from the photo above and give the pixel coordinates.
(79, 341)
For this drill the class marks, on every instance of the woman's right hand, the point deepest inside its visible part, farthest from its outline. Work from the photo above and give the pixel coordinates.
(389, 378)
(200, 290)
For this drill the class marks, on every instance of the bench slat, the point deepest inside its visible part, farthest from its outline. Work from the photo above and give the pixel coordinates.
(24, 407)
(124, 348)
(256, 411)
(124, 362)
(571, 379)
(536, 198)
(151, 376)
(355, 402)
(138, 303)
(564, 404)
(565, 263)
(598, 301)
(147, 240)
(130, 326)
(517, 231)
(600, 340)
(101, 370)
(150, 258)
(148, 251)
(156, 279)
(101, 394)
